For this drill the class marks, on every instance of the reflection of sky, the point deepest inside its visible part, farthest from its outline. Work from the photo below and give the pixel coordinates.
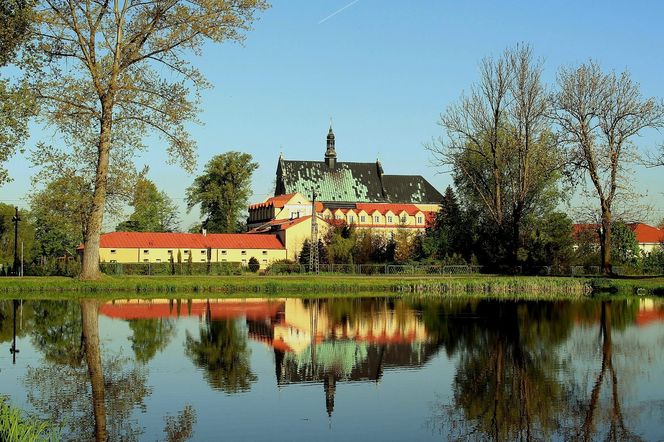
(396, 408)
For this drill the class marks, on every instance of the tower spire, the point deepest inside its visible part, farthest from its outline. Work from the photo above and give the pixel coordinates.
(330, 152)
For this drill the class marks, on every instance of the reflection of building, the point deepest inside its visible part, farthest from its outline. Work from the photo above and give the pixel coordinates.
(313, 341)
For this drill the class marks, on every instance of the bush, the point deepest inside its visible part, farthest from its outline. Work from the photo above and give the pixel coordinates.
(254, 265)
(283, 266)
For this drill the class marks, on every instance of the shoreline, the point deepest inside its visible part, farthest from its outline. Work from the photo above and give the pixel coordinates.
(526, 287)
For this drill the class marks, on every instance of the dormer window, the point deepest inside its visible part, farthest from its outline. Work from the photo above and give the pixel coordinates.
(376, 219)
(419, 220)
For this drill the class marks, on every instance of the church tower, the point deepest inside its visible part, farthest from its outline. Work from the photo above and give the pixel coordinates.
(330, 153)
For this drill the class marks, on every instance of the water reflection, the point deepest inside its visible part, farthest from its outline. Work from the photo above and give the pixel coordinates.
(521, 370)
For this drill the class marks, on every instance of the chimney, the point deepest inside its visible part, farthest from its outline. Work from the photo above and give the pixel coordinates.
(204, 232)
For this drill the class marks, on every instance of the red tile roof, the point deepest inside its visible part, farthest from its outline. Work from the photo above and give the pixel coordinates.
(644, 233)
(154, 240)
(283, 224)
(647, 234)
(278, 201)
(382, 208)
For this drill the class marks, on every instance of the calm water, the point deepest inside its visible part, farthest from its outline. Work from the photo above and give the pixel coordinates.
(338, 369)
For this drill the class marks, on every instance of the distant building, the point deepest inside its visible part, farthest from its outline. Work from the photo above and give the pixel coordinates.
(151, 247)
(358, 194)
(649, 238)
(348, 182)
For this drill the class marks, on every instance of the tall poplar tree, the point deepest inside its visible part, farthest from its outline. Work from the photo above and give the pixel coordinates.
(223, 191)
(113, 70)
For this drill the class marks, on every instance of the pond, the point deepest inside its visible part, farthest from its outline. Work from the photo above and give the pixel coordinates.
(371, 368)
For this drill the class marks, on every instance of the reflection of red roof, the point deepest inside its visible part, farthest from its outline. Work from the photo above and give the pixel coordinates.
(218, 310)
(155, 240)
(645, 317)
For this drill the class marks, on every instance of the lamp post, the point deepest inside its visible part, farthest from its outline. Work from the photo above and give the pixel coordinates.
(16, 219)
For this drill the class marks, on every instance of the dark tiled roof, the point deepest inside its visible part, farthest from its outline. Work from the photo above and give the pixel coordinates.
(410, 189)
(352, 182)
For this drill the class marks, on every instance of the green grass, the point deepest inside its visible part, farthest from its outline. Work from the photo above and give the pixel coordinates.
(335, 285)
(16, 426)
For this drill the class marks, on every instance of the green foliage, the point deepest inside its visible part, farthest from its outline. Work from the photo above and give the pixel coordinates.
(26, 235)
(254, 265)
(61, 211)
(16, 101)
(625, 247)
(548, 241)
(223, 191)
(154, 211)
(15, 426)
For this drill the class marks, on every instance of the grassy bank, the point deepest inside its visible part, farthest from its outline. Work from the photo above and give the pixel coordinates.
(285, 285)
(300, 285)
(15, 426)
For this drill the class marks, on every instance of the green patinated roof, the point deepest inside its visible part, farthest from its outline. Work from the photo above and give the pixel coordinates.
(352, 182)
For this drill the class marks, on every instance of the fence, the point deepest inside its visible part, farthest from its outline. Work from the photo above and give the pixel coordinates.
(379, 269)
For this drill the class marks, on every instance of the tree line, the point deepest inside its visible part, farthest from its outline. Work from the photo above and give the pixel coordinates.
(106, 74)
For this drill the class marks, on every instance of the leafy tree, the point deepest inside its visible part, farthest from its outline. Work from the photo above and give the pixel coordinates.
(624, 245)
(16, 102)
(549, 241)
(222, 191)
(61, 212)
(599, 114)
(500, 146)
(111, 72)
(154, 211)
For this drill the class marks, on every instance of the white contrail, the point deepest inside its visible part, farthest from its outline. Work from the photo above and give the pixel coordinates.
(338, 11)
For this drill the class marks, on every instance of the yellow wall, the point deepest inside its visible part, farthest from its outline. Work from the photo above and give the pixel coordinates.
(296, 235)
(133, 255)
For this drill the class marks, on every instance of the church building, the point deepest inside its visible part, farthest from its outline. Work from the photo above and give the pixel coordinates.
(355, 193)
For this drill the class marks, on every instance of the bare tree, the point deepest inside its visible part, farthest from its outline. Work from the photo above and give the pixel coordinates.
(112, 70)
(598, 115)
(499, 143)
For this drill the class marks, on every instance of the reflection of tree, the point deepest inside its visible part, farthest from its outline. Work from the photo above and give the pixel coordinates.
(505, 387)
(222, 352)
(68, 391)
(150, 336)
(181, 427)
(57, 331)
(617, 430)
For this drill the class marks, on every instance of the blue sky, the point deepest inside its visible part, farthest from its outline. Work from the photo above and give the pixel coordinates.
(384, 70)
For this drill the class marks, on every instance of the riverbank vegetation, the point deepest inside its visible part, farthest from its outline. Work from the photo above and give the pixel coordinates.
(15, 426)
(526, 287)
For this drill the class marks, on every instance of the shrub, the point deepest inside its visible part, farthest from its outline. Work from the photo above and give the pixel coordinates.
(254, 265)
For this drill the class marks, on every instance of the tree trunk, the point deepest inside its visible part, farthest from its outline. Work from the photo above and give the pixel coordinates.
(90, 323)
(605, 241)
(90, 268)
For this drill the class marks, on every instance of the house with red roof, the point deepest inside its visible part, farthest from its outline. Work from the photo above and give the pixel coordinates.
(153, 247)
(649, 238)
